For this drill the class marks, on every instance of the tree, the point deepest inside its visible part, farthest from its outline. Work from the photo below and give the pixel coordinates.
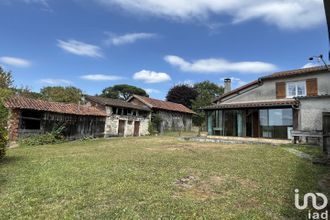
(6, 84)
(207, 92)
(123, 91)
(26, 92)
(182, 94)
(61, 94)
(6, 79)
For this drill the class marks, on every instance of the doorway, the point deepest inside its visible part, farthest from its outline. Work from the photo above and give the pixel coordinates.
(252, 123)
(121, 128)
(136, 128)
(326, 132)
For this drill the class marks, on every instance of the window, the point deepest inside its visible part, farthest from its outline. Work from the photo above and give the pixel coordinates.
(274, 123)
(114, 110)
(30, 120)
(294, 89)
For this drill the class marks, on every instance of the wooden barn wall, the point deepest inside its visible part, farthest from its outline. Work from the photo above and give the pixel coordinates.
(76, 126)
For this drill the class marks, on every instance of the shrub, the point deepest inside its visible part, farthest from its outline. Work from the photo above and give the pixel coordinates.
(53, 137)
(42, 139)
(154, 124)
(3, 142)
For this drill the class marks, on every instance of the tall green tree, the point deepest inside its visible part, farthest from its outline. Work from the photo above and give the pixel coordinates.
(207, 92)
(6, 84)
(61, 94)
(123, 91)
(182, 94)
(6, 79)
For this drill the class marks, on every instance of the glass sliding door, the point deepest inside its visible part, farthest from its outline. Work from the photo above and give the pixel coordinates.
(275, 123)
(234, 123)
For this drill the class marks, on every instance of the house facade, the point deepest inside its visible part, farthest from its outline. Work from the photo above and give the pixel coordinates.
(273, 106)
(122, 118)
(174, 117)
(31, 117)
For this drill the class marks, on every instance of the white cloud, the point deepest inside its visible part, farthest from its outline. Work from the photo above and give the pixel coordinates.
(128, 38)
(101, 77)
(152, 91)
(148, 76)
(287, 14)
(41, 2)
(55, 81)
(80, 48)
(213, 65)
(15, 61)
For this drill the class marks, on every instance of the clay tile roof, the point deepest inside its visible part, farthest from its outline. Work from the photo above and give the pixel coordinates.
(164, 105)
(295, 72)
(258, 104)
(19, 102)
(116, 103)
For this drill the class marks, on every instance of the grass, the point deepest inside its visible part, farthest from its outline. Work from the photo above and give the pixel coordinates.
(151, 178)
(314, 151)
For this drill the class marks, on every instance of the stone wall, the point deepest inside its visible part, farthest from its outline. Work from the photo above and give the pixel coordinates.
(112, 124)
(13, 124)
(174, 121)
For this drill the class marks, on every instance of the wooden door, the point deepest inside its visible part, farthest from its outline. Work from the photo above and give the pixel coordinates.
(121, 128)
(136, 128)
(255, 124)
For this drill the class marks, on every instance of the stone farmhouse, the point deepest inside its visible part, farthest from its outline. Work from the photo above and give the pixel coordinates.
(174, 117)
(122, 118)
(279, 106)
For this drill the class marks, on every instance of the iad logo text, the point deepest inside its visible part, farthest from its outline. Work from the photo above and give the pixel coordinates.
(313, 197)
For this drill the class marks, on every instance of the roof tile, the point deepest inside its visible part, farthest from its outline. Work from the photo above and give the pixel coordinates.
(20, 102)
(165, 105)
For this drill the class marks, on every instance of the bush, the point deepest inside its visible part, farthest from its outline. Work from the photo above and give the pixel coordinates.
(42, 139)
(53, 137)
(3, 142)
(154, 124)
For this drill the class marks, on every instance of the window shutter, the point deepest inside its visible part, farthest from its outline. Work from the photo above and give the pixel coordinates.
(311, 85)
(280, 90)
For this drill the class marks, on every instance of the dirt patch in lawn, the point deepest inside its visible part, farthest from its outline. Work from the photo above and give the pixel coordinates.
(211, 187)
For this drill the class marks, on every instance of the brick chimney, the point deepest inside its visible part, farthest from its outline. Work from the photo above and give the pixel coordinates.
(227, 85)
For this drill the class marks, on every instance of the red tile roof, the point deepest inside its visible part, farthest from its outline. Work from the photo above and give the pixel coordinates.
(19, 102)
(259, 104)
(289, 73)
(116, 103)
(164, 105)
(283, 74)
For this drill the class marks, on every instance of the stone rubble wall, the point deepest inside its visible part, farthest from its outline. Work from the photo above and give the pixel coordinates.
(13, 124)
(175, 121)
(112, 124)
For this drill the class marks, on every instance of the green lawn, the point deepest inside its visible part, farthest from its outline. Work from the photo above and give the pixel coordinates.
(144, 178)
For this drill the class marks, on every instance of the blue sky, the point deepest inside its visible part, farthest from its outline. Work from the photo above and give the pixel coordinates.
(92, 44)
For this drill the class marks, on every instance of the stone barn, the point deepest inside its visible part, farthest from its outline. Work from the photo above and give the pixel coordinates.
(31, 117)
(174, 117)
(123, 118)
